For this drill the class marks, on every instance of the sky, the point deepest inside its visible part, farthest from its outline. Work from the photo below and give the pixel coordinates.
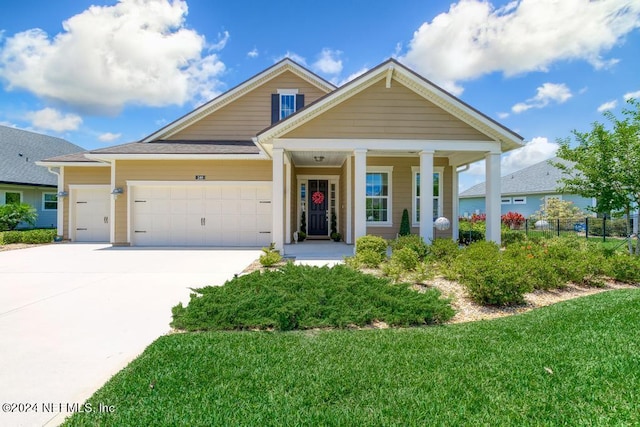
(101, 73)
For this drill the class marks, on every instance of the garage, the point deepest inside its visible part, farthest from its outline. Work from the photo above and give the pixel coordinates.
(90, 213)
(195, 214)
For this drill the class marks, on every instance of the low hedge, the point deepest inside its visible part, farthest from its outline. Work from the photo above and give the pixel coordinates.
(28, 236)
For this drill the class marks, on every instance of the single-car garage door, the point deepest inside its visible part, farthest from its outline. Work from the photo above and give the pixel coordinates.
(91, 208)
(201, 215)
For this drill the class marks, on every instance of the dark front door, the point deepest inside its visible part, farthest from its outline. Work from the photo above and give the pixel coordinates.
(318, 207)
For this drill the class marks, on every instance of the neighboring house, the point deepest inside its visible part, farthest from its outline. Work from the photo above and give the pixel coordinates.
(524, 191)
(21, 180)
(241, 169)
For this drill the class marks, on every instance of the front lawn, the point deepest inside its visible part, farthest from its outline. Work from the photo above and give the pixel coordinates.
(573, 363)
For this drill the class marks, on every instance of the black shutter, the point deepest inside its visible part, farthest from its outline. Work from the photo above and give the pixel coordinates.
(299, 101)
(275, 108)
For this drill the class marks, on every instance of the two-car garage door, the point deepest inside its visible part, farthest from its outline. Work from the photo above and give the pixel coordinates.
(201, 215)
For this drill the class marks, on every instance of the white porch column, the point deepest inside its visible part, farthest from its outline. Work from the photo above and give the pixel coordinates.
(287, 201)
(426, 196)
(60, 213)
(455, 203)
(277, 199)
(349, 230)
(112, 207)
(360, 193)
(492, 163)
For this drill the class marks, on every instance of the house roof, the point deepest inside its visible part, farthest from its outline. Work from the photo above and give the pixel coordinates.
(21, 149)
(182, 147)
(392, 69)
(231, 95)
(538, 178)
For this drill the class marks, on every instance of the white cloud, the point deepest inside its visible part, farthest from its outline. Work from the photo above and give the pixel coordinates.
(134, 52)
(473, 38)
(253, 53)
(52, 119)
(629, 95)
(534, 151)
(294, 57)
(329, 62)
(608, 106)
(547, 93)
(109, 137)
(503, 115)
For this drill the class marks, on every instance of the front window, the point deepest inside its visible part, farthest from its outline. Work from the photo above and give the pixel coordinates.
(378, 197)
(437, 194)
(12, 198)
(287, 105)
(49, 201)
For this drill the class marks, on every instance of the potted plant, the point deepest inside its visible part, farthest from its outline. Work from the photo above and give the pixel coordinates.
(301, 236)
(336, 236)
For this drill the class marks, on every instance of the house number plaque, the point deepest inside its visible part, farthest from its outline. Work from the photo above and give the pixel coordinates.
(200, 177)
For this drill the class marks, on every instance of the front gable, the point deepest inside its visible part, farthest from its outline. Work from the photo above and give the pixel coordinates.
(241, 112)
(245, 116)
(381, 112)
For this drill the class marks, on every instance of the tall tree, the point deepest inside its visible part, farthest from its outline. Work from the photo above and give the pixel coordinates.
(605, 162)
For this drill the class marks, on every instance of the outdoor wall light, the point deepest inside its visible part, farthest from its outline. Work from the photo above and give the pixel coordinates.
(116, 191)
(62, 194)
(318, 158)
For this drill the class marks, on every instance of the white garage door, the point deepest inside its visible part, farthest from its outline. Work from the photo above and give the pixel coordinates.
(201, 215)
(91, 209)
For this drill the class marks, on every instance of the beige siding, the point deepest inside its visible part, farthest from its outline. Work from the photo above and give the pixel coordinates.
(402, 194)
(378, 112)
(77, 175)
(245, 117)
(182, 170)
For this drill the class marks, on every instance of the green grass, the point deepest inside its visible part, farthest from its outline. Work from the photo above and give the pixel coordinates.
(573, 363)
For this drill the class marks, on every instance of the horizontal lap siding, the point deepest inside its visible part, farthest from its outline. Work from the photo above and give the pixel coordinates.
(82, 176)
(378, 112)
(182, 170)
(245, 117)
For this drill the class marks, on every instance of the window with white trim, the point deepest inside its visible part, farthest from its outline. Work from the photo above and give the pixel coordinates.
(437, 194)
(378, 196)
(12, 197)
(49, 201)
(519, 200)
(287, 105)
(505, 200)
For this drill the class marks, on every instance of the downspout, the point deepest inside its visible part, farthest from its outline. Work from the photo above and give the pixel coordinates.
(60, 207)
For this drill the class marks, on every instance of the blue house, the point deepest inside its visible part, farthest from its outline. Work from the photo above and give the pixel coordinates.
(524, 191)
(21, 180)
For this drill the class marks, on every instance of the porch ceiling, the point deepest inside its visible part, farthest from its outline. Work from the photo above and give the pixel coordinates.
(319, 158)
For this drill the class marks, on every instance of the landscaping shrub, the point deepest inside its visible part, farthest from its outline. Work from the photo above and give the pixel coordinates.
(405, 258)
(370, 252)
(624, 267)
(373, 243)
(510, 237)
(368, 258)
(38, 236)
(466, 237)
(443, 251)
(303, 297)
(405, 227)
(490, 278)
(9, 237)
(413, 242)
(513, 220)
(270, 256)
(13, 214)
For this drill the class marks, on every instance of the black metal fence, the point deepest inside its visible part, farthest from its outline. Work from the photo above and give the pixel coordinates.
(588, 227)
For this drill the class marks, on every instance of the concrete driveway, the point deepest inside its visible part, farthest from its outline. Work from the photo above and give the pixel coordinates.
(73, 315)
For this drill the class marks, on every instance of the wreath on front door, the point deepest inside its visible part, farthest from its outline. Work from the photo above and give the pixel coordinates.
(317, 197)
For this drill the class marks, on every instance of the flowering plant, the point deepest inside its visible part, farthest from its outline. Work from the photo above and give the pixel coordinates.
(513, 220)
(317, 197)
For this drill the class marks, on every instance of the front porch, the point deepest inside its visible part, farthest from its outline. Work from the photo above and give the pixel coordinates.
(318, 252)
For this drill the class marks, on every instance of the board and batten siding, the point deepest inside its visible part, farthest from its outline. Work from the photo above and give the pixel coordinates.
(378, 112)
(243, 118)
(78, 175)
(402, 192)
(181, 170)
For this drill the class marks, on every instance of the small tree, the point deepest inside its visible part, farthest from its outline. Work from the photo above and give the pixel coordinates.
(555, 208)
(303, 222)
(13, 214)
(405, 227)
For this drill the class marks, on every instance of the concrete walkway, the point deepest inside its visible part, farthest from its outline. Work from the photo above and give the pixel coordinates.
(319, 252)
(73, 315)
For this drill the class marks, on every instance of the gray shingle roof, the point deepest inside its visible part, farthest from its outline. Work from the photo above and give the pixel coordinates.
(182, 147)
(535, 179)
(20, 149)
